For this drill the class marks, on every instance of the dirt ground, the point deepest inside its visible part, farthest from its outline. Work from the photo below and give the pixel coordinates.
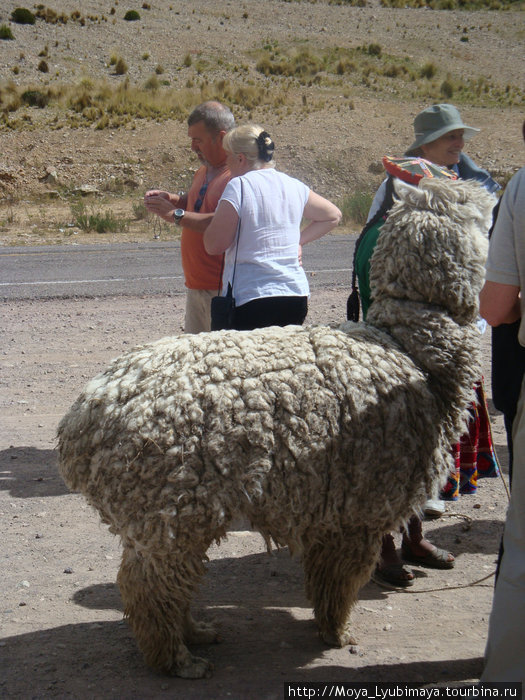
(62, 628)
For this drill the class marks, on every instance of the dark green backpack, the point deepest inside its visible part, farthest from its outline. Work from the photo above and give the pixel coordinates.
(367, 239)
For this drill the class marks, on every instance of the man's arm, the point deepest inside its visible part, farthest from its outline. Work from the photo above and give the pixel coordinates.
(178, 200)
(197, 221)
(163, 204)
(499, 303)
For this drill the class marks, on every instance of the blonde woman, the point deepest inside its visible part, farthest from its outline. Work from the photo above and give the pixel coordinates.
(263, 260)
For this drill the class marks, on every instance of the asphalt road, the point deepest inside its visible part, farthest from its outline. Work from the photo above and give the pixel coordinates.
(134, 269)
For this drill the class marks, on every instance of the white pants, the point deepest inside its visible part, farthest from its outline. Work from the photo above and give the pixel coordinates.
(198, 310)
(505, 652)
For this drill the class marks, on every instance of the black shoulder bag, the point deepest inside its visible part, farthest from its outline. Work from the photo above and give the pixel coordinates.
(223, 307)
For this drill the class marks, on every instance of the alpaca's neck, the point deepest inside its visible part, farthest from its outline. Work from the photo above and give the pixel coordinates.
(447, 352)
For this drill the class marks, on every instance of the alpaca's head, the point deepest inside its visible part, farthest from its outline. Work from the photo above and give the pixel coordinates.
(433, 246)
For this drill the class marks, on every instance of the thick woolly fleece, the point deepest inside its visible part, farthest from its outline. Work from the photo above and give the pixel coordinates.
(325, 438)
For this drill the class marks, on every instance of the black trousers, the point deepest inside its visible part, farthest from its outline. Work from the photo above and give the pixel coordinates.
(508, 367)
(270, 311)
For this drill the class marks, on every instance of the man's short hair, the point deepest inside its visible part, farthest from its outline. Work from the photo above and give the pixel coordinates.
(216, 117)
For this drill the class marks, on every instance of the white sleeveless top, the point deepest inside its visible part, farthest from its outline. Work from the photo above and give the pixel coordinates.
(267, 256)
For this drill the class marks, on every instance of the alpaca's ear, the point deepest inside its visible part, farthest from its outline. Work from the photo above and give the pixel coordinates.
(409, 193)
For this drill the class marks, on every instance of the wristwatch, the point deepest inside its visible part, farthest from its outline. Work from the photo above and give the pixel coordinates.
(177, 215)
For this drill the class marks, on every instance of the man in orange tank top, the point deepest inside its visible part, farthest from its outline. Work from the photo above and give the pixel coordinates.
(193, 211)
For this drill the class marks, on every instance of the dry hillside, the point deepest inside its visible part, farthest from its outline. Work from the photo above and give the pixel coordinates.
(336, 85)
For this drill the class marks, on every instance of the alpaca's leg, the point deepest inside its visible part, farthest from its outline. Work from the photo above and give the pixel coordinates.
(335, 569)
(157, 592)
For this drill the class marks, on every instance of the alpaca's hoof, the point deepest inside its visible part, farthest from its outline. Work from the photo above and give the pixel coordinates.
(341, 639)
(202, 633)
(194, 667)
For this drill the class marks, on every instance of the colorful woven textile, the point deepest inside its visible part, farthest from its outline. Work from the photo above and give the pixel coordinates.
(474, 455)
(411, 169)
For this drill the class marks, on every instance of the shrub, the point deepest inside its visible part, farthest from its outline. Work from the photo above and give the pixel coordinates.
(101, 222)
(103, 123)
(139, 211)
(121, 66)
(43, 67)
(355, 207)
(35, 98)
(10, 99)
(428, 71)
(5, 32)
(23, 16)
(447, 89)
(152, 83)
(81, 100)
(50, 16)
(374, 49)
(303, 64)
(393, 71)
(131, 16)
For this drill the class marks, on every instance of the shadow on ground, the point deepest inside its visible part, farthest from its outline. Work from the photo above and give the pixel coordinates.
(28, 472)
(100, 660)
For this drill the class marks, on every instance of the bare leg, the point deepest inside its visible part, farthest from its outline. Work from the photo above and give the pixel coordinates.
(156, 592)
(418, 550)
(390, 568)
(335, 569)
(414, 542)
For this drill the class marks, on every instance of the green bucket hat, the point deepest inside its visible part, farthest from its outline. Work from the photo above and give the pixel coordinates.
(436, 121)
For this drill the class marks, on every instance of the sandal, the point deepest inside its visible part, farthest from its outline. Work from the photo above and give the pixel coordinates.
(397, 575)
(435, 559)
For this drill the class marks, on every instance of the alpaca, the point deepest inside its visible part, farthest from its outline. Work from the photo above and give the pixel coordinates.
(324, 438)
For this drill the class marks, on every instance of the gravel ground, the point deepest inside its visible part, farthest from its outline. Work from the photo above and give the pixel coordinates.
(61, 616)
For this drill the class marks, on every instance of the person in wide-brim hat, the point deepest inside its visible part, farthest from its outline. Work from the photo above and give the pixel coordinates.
(436, 121)
(440, 135)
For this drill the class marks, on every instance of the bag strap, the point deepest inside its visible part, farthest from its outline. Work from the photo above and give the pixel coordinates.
(352, 304)
(237, 234)
(381, 213)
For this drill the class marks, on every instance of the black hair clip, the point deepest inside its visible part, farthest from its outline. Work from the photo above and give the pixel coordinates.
(265, 146)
